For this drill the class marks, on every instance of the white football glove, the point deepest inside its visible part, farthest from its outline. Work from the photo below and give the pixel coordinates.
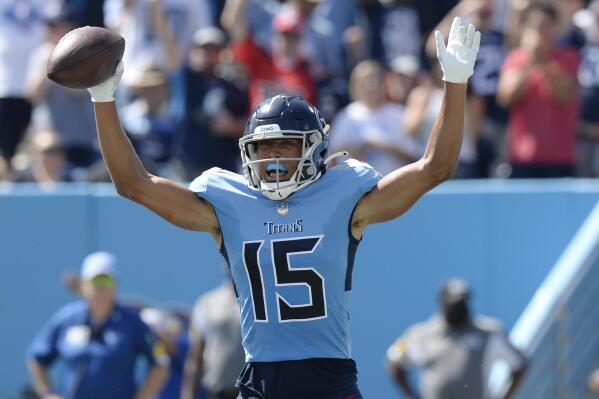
(458, 58)
(104, 92)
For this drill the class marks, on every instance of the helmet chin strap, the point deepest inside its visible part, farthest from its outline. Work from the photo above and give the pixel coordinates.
(335, 155)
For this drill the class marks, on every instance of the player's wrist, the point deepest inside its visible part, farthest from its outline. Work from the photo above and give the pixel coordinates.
(455, 80)
(458, 73)
(105, 91)
(99, 98)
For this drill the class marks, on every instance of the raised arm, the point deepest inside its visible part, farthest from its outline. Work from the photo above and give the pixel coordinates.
(168, 199)
(399, 190)
(233, 19)
(166, 35)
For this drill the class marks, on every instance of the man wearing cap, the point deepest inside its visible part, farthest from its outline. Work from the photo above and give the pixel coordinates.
(216, 106)
(98, 341)
(454, 350)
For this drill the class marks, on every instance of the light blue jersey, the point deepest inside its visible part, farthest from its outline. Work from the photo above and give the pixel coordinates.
(291, 261)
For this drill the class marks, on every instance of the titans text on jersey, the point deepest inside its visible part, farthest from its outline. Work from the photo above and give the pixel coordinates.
(274, 228)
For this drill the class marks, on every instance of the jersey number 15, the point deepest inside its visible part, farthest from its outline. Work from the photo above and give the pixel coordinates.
(284, 276)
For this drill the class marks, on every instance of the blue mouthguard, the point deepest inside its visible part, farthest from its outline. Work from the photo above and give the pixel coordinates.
(276, 167)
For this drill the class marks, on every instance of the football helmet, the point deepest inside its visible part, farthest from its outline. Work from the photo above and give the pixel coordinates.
(285, 117)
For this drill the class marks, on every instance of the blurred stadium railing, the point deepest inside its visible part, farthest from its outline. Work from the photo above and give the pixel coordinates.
(559, 329)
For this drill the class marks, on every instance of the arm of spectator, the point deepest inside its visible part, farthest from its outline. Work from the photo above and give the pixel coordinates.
(476, 114)
(72, 282)
(563, 87)
(153, 349)
(512, 82)
(233, 19)
(166, 35)
(36, 83)
(401, 378)
(194, 365)
(513, 25)
(227, 125)
(354, 39)
(41, 380)
(516, 378)
(154, 381)
(397, 361)
(463, 8)
(36, 88)
(416, 107)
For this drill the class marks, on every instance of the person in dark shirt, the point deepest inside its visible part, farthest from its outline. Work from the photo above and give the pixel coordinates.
(215, 108)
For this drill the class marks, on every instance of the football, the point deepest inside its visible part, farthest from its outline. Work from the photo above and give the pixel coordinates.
(85, 57)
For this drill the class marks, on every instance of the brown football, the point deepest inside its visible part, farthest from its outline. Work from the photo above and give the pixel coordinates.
(85, 57)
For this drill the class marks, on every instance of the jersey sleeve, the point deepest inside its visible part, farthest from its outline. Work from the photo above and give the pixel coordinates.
(220, 187)
(200, 184)
(405, 351)
(499, 347)
(367, 177)
(44, 346)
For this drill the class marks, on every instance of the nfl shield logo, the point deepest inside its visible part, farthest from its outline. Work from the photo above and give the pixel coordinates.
(282, 208)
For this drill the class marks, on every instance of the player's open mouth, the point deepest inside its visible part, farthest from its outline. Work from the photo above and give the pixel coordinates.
(276, 170)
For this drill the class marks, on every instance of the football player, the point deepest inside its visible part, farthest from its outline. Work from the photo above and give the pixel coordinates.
(289, 226)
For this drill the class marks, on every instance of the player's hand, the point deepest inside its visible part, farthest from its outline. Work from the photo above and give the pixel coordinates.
(104, 92)
(458, 58)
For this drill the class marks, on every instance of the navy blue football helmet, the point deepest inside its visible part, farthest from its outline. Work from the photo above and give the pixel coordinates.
(289, 117)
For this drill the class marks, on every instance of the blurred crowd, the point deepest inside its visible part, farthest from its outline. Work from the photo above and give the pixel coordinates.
(195, 68)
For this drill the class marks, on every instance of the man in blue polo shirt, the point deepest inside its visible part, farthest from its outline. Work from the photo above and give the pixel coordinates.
(99, 343)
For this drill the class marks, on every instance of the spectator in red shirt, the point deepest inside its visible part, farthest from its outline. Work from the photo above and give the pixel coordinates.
(282, 72)
(538, 84)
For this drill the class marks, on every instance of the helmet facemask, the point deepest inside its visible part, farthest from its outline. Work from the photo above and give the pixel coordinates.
(310, 164)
